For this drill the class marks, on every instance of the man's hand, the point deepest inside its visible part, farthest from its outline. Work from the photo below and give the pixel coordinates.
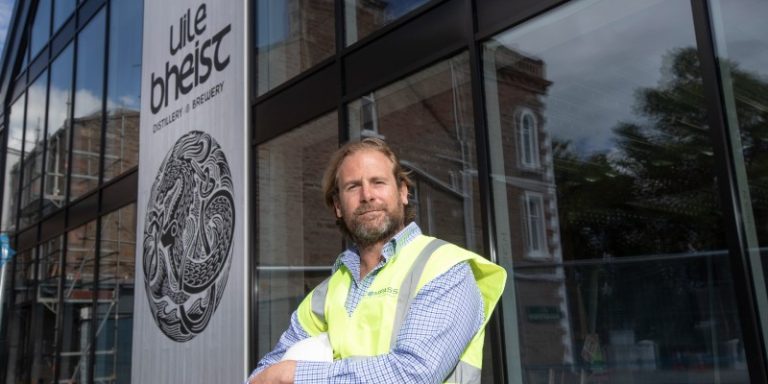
(280, 373)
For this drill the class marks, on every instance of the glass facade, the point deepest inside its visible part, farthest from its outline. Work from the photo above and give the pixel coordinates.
(609, 154)
(576, 149)
(69, 317)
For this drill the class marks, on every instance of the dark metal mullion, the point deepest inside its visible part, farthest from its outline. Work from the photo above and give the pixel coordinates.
(498, 352)
(728, 183)
(95, 286)
(341, 114)
(59, 325)
(102, 151)
(250, 166)
(5, 123)
(104, 90)
(252, 281)
(11, 239)
(43, 158)
(67, 188)
(341, 106)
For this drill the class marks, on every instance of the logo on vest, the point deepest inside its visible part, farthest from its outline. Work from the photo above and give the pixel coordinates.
(388, 291)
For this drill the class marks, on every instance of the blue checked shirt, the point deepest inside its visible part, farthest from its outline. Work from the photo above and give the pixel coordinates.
(443, 318)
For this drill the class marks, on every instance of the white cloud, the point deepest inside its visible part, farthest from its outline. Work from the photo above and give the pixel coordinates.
(597, 55)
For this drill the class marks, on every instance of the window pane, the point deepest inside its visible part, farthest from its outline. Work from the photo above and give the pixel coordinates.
(114, 313)
(19, 346)
(46, 311)
(24, 279)
(427, 119)
(86, 142)
(76, 311)
(535, 225)
(32, 176)
(367, 16)
(124, 87)
(59, 109)
(629, 212)
(528, 140)
(41, 28)
(62, 9)
(291, 37)
(21, 333)
(13, 164)
(297, 235)
(742, 38)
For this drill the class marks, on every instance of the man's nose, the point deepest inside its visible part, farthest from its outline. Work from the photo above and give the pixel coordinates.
(366, 192)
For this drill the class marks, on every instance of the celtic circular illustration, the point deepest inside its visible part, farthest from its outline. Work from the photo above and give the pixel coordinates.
(188, 232)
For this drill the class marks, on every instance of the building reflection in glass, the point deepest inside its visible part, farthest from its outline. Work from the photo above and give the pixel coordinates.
(364, 17)
(427, 118)
(741, 47)
(291, 37)
(606, 201)
(297, 238)
(13, 164)
(58, 131)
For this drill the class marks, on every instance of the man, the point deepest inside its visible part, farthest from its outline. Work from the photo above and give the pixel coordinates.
(400, 307)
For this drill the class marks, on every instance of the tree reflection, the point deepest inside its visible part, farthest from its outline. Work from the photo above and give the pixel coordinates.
(657, 193)
(654, 199)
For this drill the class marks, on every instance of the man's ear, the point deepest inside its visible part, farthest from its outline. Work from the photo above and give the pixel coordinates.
(337, 207)
(403, 193)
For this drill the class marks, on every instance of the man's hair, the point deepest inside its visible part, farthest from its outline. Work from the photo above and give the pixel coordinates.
(331, 176)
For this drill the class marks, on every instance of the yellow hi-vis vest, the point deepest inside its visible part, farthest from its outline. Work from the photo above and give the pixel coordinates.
(372, 328)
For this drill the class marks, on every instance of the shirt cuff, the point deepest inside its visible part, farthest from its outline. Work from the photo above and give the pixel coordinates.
(312, 372)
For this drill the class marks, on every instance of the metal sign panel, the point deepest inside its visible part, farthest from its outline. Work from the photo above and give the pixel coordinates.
(190, 312)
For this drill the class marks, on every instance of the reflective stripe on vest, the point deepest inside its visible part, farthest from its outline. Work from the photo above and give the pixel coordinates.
(318, 299)
(410, 285)
(464, 373)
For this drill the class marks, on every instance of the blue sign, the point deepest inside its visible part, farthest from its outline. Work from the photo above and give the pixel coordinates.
(6, 253)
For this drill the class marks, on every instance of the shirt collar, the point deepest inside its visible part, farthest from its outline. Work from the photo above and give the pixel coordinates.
(351, 256)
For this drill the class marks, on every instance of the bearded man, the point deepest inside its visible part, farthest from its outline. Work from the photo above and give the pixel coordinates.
(400, 306)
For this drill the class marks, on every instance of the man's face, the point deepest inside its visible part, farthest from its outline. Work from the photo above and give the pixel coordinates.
(369, 201)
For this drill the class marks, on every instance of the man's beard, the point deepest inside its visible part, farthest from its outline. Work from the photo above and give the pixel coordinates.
(364, 234)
